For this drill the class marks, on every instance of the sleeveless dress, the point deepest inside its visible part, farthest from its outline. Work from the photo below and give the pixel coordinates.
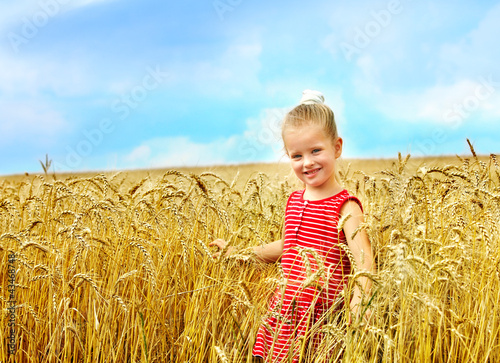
(315, 271)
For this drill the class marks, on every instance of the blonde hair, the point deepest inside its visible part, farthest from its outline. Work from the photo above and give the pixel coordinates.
(316, 113)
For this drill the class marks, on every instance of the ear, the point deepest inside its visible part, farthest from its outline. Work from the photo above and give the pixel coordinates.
(338, 147)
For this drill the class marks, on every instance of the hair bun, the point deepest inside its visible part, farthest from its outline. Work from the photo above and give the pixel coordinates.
(310, 97)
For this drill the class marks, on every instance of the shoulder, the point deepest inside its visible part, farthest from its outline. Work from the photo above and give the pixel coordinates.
(296, 195)
(350, 204)
(352, 208)
(294, 198)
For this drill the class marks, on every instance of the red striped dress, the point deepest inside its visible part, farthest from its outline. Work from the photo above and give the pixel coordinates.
(315, 269)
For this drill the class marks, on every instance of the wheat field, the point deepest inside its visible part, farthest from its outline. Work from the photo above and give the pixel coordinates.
(117, 268)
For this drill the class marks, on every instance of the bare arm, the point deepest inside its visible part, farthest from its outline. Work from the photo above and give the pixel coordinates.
(270, 252)
(361, 249)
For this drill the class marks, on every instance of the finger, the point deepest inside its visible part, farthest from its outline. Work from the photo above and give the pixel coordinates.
(368, 315)
(218, 242)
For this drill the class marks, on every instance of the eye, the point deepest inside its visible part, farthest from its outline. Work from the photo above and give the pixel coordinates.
(296, 156)
(315, 151)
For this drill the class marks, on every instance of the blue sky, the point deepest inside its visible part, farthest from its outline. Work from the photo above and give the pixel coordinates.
(117, 84)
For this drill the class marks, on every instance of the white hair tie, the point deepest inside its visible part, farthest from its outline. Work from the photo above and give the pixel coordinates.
(310, 97)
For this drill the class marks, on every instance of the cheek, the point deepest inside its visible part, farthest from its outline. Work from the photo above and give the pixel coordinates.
(296, 166)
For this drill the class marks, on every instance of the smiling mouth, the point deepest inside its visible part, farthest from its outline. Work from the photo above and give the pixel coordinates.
(312, 172)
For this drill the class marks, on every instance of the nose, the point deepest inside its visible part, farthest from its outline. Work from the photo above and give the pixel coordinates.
(308, 161)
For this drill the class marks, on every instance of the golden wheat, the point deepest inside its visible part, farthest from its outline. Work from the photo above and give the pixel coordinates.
(119, 269)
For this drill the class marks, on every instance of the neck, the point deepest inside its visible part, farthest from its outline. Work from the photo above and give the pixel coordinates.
(312, 193)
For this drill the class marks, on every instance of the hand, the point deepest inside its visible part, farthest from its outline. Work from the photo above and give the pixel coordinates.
(356, 310)
(222, 245)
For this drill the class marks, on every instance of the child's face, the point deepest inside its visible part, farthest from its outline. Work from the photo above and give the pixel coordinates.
(312, 155)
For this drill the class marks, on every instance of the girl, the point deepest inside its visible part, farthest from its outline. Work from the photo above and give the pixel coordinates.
(315, 265)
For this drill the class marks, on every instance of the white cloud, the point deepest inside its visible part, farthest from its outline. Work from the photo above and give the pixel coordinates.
(447, 104)
(139, 154)
(460, 85)
(30, 76)
(261, 141)
(30, 122)
(178, 151)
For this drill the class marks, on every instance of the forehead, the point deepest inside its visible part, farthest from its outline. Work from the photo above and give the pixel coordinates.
(305, 136)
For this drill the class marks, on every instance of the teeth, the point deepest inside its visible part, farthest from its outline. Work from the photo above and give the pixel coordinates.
(311, 172)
